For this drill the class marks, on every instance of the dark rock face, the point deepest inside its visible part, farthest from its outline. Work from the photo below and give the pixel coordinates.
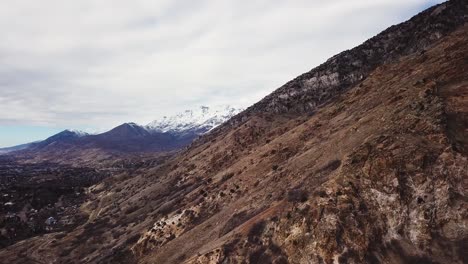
(308, 91)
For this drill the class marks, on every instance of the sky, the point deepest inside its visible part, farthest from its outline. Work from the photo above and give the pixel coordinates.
(94, 64)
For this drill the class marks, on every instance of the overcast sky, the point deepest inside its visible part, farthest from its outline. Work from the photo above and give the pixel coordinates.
(93, 64)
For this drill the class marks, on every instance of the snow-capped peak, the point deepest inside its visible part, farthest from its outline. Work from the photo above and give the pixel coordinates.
(202, 119)
(78, 133)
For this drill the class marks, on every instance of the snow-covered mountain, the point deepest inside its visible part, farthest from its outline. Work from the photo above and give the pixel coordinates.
(77, 133)
(166, 134)
(200, 120)
(65, 135)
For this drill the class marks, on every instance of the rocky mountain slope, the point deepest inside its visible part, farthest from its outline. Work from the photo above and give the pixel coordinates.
(306, 93)
(367, 167)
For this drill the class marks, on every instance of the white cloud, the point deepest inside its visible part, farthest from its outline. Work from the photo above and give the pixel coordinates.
(97, 63)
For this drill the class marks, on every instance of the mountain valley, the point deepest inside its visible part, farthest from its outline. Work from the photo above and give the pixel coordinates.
(361, 160)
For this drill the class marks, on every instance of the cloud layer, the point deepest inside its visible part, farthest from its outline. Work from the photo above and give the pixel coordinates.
(95, 63)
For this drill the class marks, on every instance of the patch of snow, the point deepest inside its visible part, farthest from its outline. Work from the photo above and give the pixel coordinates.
(79, 133)
(203, 119)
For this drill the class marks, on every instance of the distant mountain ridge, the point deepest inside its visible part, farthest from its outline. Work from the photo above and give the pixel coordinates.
(14, 148)
(63, 136)
(167, 134)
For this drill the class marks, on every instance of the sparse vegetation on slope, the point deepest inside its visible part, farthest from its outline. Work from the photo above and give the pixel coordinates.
(376, 173)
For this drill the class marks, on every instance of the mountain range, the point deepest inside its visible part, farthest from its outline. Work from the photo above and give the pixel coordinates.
(167, 134)
(363, 159)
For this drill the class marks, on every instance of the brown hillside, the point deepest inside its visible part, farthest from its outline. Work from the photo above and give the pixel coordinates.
(375, 173)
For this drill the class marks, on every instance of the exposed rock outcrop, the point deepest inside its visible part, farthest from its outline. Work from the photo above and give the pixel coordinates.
(361, 163)
(308, 91)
